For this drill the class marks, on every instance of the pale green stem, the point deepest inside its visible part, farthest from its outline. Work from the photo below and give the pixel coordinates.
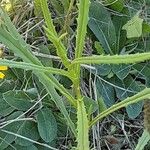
(114, 59)
(145, 94)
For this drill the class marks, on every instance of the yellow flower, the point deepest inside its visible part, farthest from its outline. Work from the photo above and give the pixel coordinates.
(7, 5)
(2, 68)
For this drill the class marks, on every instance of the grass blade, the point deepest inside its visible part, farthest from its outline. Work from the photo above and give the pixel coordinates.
(143, 140)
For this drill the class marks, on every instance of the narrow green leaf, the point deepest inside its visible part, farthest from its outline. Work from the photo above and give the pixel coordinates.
(30, 59)
(14, 40)
(58, 6)
(143, 140)
(65, 4)
(29, 66)
(61, 50)
(37, 8)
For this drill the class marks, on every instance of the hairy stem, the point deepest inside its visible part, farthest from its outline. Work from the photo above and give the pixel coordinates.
(114, 59)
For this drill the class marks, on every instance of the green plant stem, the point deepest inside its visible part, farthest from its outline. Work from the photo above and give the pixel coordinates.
(82, 123)
(145, 94)
(82, 22)
(47, 16)
(82, 126)
(61, 50)
(114, 59)
(52, 34)
(29, 66)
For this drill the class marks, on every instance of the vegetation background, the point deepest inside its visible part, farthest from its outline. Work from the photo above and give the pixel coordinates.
(29, 118)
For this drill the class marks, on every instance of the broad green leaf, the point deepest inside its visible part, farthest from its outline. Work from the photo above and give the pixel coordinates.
(143, 140)
(29, 130)
(18, 147)
(102, 69)
(118, 22)
(15, 115)
(129, 87)
(146, 28)
(90, 105)
(99, 48)
(18, 100)
(134, 27)
(121, 70)
(134, 110)
(47, 125)
(7, 85)
(105, 91)
(6, 139)
(5, 108)
(102, 27)
(101, 104)
(143, 70)
(115, 4)
(147, 2)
